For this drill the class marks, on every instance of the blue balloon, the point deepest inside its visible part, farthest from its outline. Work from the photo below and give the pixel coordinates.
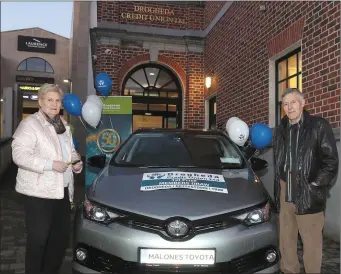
(72, 104)
(75, 143)
(103, 83)
(260, 135)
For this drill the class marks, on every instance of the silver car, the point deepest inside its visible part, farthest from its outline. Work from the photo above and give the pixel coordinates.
(173, 201)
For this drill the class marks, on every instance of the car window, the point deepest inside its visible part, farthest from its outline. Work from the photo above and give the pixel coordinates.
(178, 150)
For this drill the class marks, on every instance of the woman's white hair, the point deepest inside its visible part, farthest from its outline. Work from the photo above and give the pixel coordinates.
(49, 88)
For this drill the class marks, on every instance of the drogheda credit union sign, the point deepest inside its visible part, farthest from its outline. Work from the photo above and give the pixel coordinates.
(152, 14)
(36, 44)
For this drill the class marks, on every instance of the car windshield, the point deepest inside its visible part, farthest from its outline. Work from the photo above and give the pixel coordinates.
(154, 149)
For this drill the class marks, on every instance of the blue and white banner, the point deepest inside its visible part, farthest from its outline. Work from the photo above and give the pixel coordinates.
(189, 180)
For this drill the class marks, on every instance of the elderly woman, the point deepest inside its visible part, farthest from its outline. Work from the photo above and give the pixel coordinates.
(43, 150)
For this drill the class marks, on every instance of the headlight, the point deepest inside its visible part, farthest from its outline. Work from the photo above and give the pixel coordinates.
(255, 216)
(98, 214)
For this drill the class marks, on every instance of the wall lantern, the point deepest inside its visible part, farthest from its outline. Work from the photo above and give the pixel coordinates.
(208, 81)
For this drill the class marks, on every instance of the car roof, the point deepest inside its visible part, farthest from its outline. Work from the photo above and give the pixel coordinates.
(178, 130)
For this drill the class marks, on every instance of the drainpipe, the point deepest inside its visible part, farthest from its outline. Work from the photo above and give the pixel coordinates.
(187, 80)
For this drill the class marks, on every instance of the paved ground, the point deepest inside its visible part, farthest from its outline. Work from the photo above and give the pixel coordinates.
(12, 232)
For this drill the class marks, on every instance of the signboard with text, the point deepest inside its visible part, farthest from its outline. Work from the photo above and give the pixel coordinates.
(114, 128)
(36, 44)
(28, 88)
(189, 180)
(153, 14)
(33, 79)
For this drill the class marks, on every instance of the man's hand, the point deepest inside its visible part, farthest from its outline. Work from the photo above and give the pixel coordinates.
(59, 166)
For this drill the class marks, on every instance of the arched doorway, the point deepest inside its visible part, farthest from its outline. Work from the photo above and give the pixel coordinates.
(157, 96)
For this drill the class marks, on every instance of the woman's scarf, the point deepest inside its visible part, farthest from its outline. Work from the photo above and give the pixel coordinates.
(57, 123)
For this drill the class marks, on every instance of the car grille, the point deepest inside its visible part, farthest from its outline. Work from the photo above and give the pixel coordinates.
(159, 227)
(100, 261)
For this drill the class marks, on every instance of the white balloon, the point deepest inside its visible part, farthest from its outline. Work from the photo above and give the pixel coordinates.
(230, 121)
(96, 99)
(91, 113)
(238, 132)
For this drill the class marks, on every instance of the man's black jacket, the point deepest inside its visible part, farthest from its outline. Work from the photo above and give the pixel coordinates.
(317, 162)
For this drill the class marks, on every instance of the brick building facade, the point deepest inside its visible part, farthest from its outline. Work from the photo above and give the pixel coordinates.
(251, 50)
(241, 64)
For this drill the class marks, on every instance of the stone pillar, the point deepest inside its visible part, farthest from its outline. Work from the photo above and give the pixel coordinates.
(80, 64)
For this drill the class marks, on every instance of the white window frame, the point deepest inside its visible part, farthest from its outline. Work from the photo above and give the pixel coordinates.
(272, 81)
(207, 109)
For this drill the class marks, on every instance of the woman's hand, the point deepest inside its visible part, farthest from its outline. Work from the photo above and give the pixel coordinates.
(77, 167)
(59, 166)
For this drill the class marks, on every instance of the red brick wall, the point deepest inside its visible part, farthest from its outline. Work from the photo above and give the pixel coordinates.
(193, 112)
(123, 59)
(236, 53)
(211, 10)
(111, 64)
(181, 16)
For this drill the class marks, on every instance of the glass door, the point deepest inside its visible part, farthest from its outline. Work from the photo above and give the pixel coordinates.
(212, 112)
(159, 114)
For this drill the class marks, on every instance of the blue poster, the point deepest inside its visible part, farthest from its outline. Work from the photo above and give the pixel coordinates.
(114, 128)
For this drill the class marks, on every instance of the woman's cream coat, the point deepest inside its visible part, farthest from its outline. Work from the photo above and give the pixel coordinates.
(35, 142)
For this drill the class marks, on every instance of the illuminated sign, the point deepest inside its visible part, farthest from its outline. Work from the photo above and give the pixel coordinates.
(29, 88)
(30, 97)
(152, 14)
(36, 44)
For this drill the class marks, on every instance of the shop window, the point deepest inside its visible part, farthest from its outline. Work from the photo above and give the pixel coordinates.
(288, 75)
(212, 112)
(35, 64)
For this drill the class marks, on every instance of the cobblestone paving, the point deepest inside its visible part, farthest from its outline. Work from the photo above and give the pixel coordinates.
(12, 233)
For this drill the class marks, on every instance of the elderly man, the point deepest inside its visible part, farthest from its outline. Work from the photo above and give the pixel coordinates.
(306, 162)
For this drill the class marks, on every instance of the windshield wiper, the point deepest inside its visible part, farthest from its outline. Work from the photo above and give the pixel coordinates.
(154, 166)
(168, 166)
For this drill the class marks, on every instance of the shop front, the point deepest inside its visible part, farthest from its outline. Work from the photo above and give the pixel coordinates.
(28, 87)
(30, 58)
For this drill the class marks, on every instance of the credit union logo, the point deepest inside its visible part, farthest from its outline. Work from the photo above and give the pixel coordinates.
(108, 140)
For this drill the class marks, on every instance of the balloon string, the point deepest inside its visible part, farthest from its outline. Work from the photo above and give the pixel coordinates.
(80, 118)
(111, 123)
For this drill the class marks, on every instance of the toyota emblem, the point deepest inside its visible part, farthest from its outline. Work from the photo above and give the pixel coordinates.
(177, 228)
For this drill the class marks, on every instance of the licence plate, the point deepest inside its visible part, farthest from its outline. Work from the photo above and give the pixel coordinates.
(177, 256)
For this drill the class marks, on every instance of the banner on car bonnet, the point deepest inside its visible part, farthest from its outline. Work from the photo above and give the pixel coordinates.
(189, 180)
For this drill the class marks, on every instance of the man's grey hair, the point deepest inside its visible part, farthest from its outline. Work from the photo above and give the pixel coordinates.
(292, 90)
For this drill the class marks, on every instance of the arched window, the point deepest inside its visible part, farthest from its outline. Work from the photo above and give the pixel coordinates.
(157, 96)
(35, 64)
(152, 80)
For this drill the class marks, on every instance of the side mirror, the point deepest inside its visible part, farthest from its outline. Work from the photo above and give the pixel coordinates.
(249, 151)
(97, 161)
(258, 164)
